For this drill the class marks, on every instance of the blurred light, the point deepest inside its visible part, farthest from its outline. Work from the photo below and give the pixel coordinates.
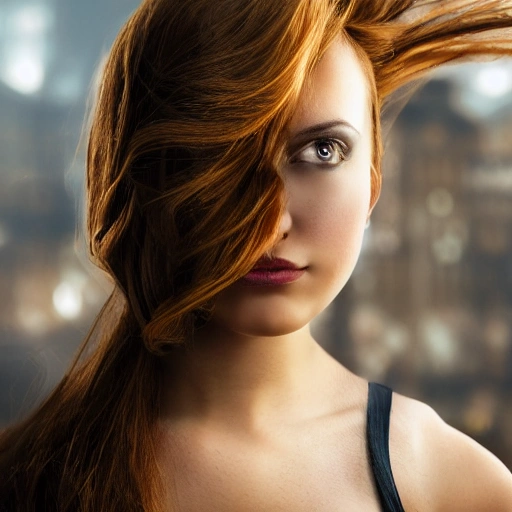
(33, 320)
(30, 20)
(67, 300)
(448, 249)
(494, 81)
(25, 47)
(440, 202)
(439, 343)
(24, 70)
(480, 415)
(492, 180)
(396, 338)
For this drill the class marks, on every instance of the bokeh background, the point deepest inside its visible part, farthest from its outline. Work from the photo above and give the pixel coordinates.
(428, 310)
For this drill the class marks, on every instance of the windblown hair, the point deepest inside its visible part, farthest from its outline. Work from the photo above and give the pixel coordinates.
(184, 196)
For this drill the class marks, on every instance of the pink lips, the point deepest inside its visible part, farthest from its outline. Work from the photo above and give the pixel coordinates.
(273, 272)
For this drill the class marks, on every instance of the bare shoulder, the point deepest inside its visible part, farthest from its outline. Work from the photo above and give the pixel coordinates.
(438, 468)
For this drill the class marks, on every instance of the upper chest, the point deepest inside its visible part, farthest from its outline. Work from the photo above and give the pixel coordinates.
(319, 467)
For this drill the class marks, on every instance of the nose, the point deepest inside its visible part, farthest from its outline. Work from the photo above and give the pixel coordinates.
(285, 225)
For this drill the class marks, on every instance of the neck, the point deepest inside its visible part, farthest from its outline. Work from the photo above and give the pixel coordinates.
(233, 378)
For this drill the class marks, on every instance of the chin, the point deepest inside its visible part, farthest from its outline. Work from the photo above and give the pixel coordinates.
(268, 329)
(266, 324)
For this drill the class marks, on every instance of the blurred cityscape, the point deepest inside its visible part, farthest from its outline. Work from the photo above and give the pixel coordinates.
(429, 308)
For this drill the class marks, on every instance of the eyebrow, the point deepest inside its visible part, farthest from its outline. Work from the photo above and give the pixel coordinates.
(322, 127)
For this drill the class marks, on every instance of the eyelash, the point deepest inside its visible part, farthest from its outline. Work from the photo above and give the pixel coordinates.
(336, 148)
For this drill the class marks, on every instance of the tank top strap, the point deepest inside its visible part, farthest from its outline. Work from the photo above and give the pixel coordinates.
(377, 436)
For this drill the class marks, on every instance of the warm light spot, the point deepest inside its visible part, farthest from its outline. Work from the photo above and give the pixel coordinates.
(32, 320)
(67, 300)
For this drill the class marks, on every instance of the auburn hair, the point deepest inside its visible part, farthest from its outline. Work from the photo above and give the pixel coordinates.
(184, 195)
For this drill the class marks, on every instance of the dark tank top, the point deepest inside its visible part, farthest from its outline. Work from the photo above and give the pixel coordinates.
(377, 437)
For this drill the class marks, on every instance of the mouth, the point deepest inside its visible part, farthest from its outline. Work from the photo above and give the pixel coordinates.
(273, 272)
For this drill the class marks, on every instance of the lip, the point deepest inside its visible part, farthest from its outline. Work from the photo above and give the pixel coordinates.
(274, 272)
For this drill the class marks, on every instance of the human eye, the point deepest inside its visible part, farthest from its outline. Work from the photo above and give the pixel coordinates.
(322, 153)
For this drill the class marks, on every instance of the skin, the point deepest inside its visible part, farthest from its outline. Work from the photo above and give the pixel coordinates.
(258, 416)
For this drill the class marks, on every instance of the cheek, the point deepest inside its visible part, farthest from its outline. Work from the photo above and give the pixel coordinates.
(339, 218)
(338, 238)
(333, 211)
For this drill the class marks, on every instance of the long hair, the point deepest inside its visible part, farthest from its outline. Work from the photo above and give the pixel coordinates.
(184, 194)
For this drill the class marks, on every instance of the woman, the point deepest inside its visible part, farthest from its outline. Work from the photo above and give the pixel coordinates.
(234, 160)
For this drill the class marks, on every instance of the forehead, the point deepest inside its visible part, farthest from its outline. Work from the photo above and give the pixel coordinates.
(337, 89)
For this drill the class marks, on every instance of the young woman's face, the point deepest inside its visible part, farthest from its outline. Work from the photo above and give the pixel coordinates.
(327, 182)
